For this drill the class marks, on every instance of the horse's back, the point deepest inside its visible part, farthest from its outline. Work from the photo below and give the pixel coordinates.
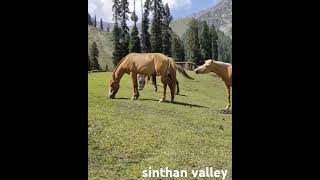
(148, 63)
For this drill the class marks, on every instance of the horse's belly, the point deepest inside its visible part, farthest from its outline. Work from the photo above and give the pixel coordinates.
(146, 69)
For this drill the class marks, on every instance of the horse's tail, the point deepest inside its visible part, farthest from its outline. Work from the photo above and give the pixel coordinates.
(183, 72)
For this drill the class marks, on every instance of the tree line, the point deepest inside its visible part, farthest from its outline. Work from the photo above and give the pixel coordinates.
(93, 22)
(200, 42)
(154, 37)
(204, 42)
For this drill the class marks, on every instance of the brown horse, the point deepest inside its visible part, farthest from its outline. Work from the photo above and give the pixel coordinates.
(155, 64)
(223, 70)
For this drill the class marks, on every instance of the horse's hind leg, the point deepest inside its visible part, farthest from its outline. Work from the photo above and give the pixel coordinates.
(178, 90)
(135, 86)
(228, 97)
(164, 80)
(172, 86)
(154, 81)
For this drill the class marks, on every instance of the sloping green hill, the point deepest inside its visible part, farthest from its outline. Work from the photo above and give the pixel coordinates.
(180, 26)
(104, 42)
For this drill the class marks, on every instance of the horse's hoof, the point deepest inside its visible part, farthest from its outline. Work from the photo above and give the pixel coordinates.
(134, 98)
(227, 110)
(161, 100)
(172, 100)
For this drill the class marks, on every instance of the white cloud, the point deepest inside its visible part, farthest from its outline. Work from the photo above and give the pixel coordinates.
(178, 4)
(103, 8)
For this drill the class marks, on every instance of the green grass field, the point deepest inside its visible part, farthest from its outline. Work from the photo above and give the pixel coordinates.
(127, 136)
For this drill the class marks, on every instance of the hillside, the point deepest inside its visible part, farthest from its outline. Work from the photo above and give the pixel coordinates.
(105, 46)
(220, 15)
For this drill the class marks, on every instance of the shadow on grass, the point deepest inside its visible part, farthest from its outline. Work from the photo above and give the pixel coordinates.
(223, 111)
(181, 95)
(146, 99)
(166, 101)
(121, 98)
(186, 104)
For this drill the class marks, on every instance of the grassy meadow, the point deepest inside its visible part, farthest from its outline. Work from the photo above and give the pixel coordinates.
(127, 136)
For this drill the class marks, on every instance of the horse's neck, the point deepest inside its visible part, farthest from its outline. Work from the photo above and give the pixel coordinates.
(220, 69)
(119, 72)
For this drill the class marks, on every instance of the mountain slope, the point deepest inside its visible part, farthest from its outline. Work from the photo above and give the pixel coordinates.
(220, 15)
(105, 46)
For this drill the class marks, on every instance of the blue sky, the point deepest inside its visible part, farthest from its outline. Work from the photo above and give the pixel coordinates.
(196, 6)
(179, 8)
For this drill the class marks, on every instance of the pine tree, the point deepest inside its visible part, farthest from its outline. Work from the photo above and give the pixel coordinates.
(206, 42)
(145, 36)
(116, 55)
(95, 21)
(107, 68)
(89, 20)
(214, 42)
(166, 31)
(94, 54)
(89, 63)
(177, 48)
(101, 24)
(124, 35)
(192, 43)
(108, 28)
(134, 45)
(224, 47)
(156, 26)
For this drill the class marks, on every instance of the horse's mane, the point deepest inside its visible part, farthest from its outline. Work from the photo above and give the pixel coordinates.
(220, 62)
(115, 68)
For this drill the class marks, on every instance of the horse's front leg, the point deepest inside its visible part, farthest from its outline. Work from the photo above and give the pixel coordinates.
(135, 86)
(164, 81)
(228, 98)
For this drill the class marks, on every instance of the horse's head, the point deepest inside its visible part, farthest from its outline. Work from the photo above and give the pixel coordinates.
(113, 88)
(205, 68)
(141, 81)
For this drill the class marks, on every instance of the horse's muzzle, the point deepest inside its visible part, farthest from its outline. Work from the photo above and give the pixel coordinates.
(111, 96)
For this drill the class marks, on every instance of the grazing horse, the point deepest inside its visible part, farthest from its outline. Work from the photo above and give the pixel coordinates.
(223, 70)
(154, 64)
